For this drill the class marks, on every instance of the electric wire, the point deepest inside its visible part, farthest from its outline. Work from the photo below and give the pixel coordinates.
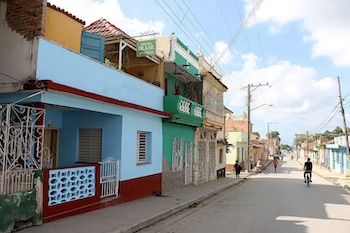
(234, 84)
(241, 28)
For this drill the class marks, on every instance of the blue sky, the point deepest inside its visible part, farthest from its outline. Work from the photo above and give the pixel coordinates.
(299, 47)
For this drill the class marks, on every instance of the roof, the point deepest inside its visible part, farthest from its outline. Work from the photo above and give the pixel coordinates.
(104, 28)
(50, 85)
(66, 13)
(228, 110)
(217, 79)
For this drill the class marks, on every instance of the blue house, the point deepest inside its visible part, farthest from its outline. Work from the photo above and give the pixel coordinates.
(338, 157)
(97, 139)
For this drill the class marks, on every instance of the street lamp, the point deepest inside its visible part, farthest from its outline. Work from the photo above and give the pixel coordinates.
(261, 106)
(249, 130)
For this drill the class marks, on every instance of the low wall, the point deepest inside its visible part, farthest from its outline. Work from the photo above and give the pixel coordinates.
(21, 209)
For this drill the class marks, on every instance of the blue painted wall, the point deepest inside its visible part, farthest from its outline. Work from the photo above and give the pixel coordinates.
(53, 118)
(131, 122)
(79, 71)
(338, 160)
(69, 134)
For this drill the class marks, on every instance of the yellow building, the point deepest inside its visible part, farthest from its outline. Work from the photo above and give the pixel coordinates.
(63, 28)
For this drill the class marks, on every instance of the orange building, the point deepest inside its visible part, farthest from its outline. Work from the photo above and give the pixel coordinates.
(63, 28)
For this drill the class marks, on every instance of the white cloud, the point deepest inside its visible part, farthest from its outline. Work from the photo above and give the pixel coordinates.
(222, 56)
(294, 92)
(91, 10)
(326, 23)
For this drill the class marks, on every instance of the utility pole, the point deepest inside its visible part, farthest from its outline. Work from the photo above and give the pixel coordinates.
(248, 139)
(344, 121)
(247, 159)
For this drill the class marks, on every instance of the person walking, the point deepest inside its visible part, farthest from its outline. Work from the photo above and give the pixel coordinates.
(238, 168)
(275, 164)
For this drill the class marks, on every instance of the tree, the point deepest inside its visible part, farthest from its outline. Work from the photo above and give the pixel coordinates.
(257, 134)
(338, 131)
(273, 134)
(228, 145)
(285, 147)
(298, 140)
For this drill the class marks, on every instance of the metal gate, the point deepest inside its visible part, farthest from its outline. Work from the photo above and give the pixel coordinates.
(212, 162)
(177, 162)
(188, 162)
(202, 152)
(109, 177)
(21, 146)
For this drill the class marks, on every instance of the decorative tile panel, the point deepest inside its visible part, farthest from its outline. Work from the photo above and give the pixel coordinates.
(185, 106)
(71, 184)
(198, 111)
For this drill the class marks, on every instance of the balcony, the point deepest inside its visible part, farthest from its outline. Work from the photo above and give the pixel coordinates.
(76, 70)
(185, 111)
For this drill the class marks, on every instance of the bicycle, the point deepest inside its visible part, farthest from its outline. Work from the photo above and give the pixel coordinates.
(308, 173)
(264, 170)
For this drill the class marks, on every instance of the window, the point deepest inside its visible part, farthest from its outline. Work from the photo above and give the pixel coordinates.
(143, 147)
(221, 156)
(90, 145)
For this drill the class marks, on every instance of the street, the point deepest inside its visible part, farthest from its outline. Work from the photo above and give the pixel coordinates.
(278, 202)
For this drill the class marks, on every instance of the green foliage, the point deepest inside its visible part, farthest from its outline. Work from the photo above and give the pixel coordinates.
(228, 145)
(338, 131)
(285, 147)
(299, 140)
(273, 134)
(257, 134)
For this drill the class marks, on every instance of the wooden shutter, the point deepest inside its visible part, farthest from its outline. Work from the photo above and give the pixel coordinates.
(93, 45)
(90, 145)
(141, 147)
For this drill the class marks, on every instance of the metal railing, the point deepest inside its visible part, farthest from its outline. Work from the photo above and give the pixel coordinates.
(109, 178)
(16, 181)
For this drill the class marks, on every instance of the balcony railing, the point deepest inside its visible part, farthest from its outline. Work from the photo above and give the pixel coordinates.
(185, 111)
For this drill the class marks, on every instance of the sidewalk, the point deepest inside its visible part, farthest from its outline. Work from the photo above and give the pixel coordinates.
(135, 215)
(333, 177)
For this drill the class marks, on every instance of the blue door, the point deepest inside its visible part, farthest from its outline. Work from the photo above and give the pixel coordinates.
(93, 45)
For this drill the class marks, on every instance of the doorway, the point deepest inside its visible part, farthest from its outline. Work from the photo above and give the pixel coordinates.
(50, 157)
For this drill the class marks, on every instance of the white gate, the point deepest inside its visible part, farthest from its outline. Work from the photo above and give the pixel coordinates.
(202, 153)
(109, 177)
(188, 162)
(21, 146)
(212, 160)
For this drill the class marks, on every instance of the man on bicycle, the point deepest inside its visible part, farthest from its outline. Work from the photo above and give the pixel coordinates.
(307, 169)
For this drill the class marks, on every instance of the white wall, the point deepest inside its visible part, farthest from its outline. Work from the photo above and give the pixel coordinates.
(17, 56)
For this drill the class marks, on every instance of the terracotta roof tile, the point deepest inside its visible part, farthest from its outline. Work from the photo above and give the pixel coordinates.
(105, 28)
(66, 13)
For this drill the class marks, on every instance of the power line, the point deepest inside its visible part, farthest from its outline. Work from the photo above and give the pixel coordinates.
(241, 28)
(245, 34)
(229, 80)
(228, 67)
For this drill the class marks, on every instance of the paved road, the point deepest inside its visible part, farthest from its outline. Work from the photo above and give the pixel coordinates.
(277, 203)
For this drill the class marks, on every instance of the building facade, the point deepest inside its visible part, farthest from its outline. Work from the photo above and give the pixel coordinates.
(84, 141)
(205, 155)
(183, 91)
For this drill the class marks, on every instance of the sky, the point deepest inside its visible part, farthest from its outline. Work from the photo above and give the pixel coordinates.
(298, 47)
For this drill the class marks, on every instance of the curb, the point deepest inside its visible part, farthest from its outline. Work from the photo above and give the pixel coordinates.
(165, 214)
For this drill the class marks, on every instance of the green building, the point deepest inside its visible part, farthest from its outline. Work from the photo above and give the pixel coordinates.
(183, 94)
